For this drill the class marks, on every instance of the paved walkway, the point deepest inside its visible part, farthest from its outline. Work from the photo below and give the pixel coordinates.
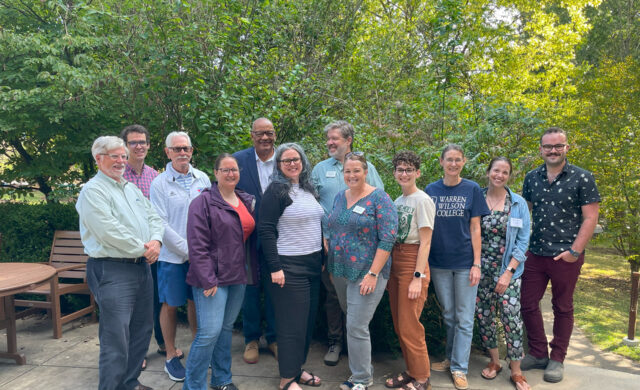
(72, 363)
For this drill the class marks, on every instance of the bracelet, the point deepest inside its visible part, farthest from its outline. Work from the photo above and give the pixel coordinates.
(375, 275)
(478, 266)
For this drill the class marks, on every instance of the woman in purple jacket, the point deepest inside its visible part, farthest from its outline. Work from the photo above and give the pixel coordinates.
(222, 263)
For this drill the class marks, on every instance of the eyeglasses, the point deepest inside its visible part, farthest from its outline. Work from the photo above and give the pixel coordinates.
(115, 156)
(178, 149)
(227, 171)
(137, 143)
(408, 171)
(290, 161)
(548, 147)
(260, 134)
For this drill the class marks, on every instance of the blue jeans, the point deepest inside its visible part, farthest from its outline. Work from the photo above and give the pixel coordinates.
(360, 310)
(252, 311)
(458, 301)
(216, 315)
(124, 293)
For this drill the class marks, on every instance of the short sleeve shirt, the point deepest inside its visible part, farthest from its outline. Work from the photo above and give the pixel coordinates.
(415, 211)
(451, 246)
(557, 207)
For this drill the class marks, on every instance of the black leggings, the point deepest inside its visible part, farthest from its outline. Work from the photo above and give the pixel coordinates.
(295, 306)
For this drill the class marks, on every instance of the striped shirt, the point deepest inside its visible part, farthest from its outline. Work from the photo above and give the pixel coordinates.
(300, 226)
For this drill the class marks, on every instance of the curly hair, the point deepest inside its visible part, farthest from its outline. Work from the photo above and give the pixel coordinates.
(406, 157)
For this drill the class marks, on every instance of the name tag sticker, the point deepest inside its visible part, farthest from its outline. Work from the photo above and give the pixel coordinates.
(516, 222)
(358, 209)
(331, 174)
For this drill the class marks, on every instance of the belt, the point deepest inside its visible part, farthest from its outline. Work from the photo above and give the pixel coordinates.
(136, 260)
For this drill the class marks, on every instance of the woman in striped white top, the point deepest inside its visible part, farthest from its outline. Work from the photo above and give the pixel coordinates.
(290, 232)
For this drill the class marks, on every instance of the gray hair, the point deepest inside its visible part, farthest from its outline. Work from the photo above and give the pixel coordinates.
(106, 143)
(346, 130)
(305, 175)
(175, 134)
(450, 147)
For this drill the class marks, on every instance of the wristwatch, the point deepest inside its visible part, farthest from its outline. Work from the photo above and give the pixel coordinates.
(511, 269)
(419, 275)
(375, 275)
(574, 253)
(478, 266)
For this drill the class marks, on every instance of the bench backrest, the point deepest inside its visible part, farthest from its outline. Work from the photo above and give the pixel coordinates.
(66, 250)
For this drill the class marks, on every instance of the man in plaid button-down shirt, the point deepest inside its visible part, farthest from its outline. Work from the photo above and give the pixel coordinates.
(136, 137)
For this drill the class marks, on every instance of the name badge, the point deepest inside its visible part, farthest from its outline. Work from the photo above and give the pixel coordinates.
(516, 222)
(358, 209)
(331, 174)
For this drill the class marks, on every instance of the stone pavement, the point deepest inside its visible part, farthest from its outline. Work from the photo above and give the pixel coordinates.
(72, 363)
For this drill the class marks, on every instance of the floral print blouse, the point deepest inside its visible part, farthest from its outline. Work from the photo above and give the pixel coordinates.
(357, 232)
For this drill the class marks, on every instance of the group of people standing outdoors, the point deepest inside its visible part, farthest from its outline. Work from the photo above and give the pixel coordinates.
(272, 225)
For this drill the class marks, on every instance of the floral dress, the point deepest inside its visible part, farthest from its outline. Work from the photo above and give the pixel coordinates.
(494, 234)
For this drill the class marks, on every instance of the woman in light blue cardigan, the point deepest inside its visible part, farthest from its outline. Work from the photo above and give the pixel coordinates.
(505, 239)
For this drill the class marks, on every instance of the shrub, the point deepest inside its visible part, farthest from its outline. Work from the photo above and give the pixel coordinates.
(27, 229)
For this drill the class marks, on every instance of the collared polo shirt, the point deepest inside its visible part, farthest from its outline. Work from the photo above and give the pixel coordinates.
(171, 201)
(265, 169)
(328, 179)
(116, 220)
(143, 180)
(557, 207)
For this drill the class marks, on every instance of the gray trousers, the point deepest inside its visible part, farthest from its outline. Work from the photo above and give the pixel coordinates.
(124, 293)
(360, 310)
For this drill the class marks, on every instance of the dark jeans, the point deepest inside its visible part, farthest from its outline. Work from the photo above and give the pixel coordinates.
(538, 271)
(296, 304)
(252, 310)
(335, 316)
(157, 330)
(124, 293)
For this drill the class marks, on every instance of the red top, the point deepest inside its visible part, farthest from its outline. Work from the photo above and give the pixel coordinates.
(246, 219)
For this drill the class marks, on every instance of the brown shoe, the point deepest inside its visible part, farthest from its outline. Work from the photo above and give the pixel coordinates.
(459, 380)
(251, 353)
(441, 366)
(142, 387)
(273, 347)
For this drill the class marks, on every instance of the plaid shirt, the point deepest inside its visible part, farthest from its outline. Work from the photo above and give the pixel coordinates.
(143, 180)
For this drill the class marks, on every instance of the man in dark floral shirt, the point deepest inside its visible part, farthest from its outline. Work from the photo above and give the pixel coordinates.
(564, 202)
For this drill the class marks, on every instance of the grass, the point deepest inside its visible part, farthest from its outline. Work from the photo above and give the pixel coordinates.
(601, 301)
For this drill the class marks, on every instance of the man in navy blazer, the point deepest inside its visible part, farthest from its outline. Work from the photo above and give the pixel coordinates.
(257, 164)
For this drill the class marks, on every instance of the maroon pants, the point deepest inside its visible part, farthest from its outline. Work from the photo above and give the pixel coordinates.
(538, 271)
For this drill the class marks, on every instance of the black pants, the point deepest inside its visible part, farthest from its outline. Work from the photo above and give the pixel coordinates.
(295, 306)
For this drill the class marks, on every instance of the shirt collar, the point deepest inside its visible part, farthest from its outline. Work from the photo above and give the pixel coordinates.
(129, 169)
(103, 177)
(173, 174)
(270, 159)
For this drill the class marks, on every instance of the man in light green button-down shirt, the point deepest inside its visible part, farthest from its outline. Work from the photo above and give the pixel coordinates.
(122, 234)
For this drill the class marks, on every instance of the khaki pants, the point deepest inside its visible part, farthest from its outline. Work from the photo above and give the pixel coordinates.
(406, 312)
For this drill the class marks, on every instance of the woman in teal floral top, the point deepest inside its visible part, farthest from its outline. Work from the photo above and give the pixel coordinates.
(362, 229)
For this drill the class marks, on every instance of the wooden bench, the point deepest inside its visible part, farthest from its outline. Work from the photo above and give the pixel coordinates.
(68, 257)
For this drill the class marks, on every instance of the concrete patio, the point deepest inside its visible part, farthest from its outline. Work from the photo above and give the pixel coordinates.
(72, 363)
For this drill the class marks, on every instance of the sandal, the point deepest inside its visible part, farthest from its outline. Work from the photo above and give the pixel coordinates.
(492, 367)
(398, 380)
(288, 384)
(314, 381)
(519, 379)
(415, 385)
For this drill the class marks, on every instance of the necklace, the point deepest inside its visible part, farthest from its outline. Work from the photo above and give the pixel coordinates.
(492, 205)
